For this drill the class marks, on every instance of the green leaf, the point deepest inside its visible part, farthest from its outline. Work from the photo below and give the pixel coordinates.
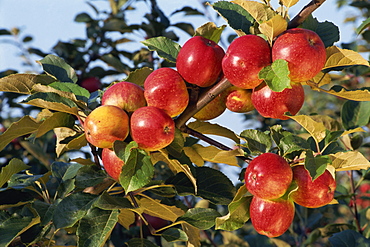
(80, 92)
(96, 226)
(236, 16)
(165, 47)
(238, 212)
(58, 68)
(14, 166)
(328, 31)
(72, 208)
(202, 218)
(58, 119)
(107, 202)
(349, 238)
(293, 143)
(316, 165)
(89, 175)
(276, 75)
(138, 76)
(364, 25)
(174, 234)
(210, 31)
(115, 63)
(83, 17)
(355, 114)
(138, 169)
(24, 126)
(52, 101)
(23, 83)
(256, 141)
(208, 128)
(140, 242)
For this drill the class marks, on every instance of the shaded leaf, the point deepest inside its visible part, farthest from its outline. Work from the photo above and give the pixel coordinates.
(256, 141)
(201, 218)
(138, 76)
(276, 75)
(351, 160)
(293, 143)
(107, 202)
(14, 166)
(115, 63)
(165, 47)
(89, 175)
(208, 128)
(23, 83)
(349, 238)
(83, 17)
(58, 68)
(174, 234)
(140, 242)
(316, 165)
(216, 155)
(364, 25)
(186, 27)
(355, 114)
(192, 233)
(126, 218)
(337, 57)
(210, 31)
(57, 119)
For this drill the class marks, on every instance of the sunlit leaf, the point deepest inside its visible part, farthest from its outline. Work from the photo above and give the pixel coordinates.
(126, 218)
(210, 31)
(289, 3)
(276, 75)
(215, 155)
(14, 166)
(273, 27)
(138, 76)
(58, 68)
(157, 209)
(68, 139)
(351, 160)
(57, 119)
(202, 218)
(80, 92)
(260, 12)
(321, 79)
(96, 226)
(194, 156)
(256, 141)
(208, 128)
(339, 91)
(316, 129)
(337, 57)
(165, 47)
(23, 83)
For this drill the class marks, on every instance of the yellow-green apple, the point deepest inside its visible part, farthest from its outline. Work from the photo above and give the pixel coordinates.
(152, 128)
(303, 50)
(112, 164)
(312, 194)
(244, 59)
(239, 100)
(125, 95)
(268, 176)
(106, 124)
(271, 104)
(164, 88)
(213, 109)
(271, 217)
(91, 84)
(199, 61)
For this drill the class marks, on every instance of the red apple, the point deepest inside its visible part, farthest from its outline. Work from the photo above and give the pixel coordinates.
(271, 104)
(303, 50)
(268, 176)
(112, 164)
(312, 194)
(164, 88)
(244, 59)
(271, 217)
(91, 84)
(199, 61)
(152, 128)
(239, 100)
(125, 95)
(213, 109)
(106, 124)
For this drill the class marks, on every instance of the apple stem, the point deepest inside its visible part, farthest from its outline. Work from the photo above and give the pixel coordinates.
(304, 13)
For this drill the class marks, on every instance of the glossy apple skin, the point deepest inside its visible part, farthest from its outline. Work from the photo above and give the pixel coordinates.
(199, 61)
(303, 50)
(91, 84)
(213, 109)
(165, 88)
(239, 100)
(271, 104)
(312, 194)
(112, 164)
(268, 176)
(152, 128)
(126, 95)
(244, 59)
(271, 218)
(106, 124)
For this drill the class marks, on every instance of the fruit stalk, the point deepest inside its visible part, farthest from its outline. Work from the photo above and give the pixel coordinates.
(304, 13)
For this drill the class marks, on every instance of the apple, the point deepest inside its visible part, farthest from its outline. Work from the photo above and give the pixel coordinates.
(199, 61)
(164, 88)
(112, 164)
(268, 176)
(106, 124)
(271, 104)
(239, 100)
(303, 50)
(91, 84)
(152, 128)
(244, 59)
(312, 194)
(213, 109)
(125, 95)
(271, 218)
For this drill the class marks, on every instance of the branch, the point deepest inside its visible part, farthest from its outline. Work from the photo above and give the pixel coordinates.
(304, 13)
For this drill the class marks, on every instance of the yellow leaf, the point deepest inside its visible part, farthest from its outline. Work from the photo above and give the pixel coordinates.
(193, 234)
(356, 95)
(208, 128)
(23, 83)
(157, 209)
(337, 57)
(193, 156)
(273, 27)
(316, 129)
(321, 79)
(351, 160)
(259, 11)
(126, 218)
(358, 129)
(215, 155)
(289, 3)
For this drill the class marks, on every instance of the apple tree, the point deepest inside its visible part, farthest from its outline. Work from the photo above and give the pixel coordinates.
(115, 147)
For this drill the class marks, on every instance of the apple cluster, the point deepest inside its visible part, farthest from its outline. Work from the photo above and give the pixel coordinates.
(276, 186)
